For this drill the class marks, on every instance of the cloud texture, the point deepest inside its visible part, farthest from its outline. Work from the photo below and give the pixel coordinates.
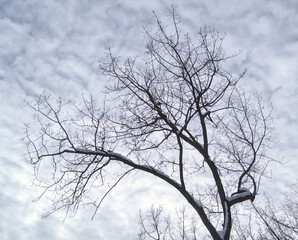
(55, 45)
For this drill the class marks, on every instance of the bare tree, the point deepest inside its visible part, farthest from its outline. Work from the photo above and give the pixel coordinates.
(175, 113)
(270, 221)
(154, 225)
(267, 220)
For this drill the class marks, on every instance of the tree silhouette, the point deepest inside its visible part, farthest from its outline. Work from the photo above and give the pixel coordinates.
(269, 220)
(175, 112)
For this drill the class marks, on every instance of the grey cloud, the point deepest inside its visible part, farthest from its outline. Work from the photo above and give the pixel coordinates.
(55, 45)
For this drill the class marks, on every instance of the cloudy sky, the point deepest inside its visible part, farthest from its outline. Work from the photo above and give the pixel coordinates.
(56, 44)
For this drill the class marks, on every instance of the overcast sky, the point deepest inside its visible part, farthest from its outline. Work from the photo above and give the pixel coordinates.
(56, 44)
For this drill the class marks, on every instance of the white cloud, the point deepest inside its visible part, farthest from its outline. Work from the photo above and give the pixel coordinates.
(55, 45)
